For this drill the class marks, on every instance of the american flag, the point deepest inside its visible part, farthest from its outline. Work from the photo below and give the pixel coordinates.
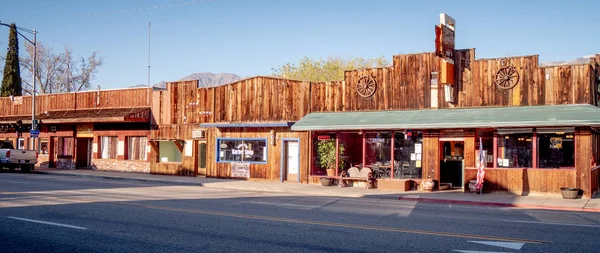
(480, 166)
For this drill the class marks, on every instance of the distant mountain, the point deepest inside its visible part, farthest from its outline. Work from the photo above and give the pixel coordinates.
(580, 60)
(206, 79)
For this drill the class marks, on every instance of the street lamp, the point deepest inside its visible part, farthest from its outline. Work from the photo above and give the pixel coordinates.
(34, 43)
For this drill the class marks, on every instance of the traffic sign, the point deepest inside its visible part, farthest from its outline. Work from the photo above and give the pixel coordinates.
(34, 133)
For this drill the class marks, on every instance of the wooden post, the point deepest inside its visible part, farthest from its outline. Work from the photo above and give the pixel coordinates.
(534, 163)
(310, 153)
(364, 149)
(392, 156)
(495, 151)
(337, 153)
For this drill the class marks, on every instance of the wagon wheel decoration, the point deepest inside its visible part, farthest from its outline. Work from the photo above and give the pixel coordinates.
(366, 86)
(507, 78)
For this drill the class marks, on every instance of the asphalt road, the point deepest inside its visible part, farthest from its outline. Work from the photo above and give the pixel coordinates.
(48, 213)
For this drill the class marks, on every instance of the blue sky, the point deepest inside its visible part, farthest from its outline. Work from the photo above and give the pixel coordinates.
(250, 37)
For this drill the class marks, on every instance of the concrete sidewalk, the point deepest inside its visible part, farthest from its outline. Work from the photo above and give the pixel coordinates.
(449, 197)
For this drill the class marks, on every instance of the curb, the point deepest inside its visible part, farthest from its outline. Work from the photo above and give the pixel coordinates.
(113, 177)
(426, 200)
(479, 203)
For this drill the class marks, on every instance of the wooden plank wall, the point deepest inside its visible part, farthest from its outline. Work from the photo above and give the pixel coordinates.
(258, 172)
(537, 85)
(262, 99)
(405, 85)
(583, 160)
(525, 181)
(431, 155)
(135, 97)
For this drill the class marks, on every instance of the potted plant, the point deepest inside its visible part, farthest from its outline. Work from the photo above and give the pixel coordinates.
(327, 156)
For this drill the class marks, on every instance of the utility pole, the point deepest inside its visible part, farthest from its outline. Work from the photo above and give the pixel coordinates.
(148, 54)
(34, 43)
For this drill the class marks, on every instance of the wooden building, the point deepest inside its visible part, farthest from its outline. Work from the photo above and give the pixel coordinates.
(537, 125)
(103, 129)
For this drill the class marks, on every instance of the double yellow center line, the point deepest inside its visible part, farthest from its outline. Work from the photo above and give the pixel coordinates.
(342, 225)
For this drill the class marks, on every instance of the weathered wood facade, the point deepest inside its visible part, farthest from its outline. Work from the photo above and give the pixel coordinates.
(259, 100)
(72, 125)
(410, 83)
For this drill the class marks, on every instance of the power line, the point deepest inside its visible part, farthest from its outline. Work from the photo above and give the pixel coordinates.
(135, 9)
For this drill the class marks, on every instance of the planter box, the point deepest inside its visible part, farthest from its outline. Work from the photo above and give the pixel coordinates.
(569, 193)
(325, 181)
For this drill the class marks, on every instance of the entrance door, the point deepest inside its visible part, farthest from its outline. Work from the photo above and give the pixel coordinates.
(84, 152)
(202, 158)
(451, 162)
(292, 161)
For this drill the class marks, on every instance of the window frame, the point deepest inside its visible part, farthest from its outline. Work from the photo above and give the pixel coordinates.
(100, 156)
(533, 149)
(218, 149)
(129, 148)
(538, 155)
(182, 153)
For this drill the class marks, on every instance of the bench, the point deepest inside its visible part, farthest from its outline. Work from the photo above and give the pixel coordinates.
(355, 174)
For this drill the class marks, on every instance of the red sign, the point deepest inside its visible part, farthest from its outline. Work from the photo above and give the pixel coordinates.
(143, 116)
(323, 137)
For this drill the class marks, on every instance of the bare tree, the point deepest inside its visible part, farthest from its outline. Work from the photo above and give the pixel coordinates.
(56, 73)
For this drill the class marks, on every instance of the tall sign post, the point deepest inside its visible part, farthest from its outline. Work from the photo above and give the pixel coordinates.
(444, 48)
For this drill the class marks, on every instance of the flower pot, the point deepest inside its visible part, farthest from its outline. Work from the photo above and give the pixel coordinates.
(428, 185)
(325, 181)
(330, 172)
(569, 193)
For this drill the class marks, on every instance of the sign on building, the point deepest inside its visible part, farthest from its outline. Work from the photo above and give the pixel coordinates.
(240, 170)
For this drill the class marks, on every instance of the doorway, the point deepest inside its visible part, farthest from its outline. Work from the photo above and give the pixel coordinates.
(201, 158)
(84, 152)
(290, 162)
(451, 162)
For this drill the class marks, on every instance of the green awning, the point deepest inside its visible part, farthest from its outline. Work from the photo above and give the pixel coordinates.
(482, 117)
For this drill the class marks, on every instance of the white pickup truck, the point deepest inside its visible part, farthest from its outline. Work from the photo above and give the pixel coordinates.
(12, 158)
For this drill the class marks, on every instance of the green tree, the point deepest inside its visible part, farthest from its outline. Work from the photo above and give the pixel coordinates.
(11, 80)
(331, 69)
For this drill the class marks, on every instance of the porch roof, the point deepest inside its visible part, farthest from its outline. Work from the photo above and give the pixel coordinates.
(482, 117)
(247, 124)
(133, 114)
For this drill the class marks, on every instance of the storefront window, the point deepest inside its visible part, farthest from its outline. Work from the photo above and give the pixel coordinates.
(43, 146)
(408, 154)
(556, 150)
(238, 150)
(108, 147)
(136, 149)
(64, 146)
(515, 150)
(379, 153)
(168, 152)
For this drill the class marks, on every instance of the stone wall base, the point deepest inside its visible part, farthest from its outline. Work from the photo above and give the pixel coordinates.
(121, 165)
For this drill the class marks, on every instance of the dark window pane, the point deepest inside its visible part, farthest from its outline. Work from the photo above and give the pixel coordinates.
(515, 150)
(556, 150)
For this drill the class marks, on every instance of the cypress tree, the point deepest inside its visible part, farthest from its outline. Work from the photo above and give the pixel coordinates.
(11, 81)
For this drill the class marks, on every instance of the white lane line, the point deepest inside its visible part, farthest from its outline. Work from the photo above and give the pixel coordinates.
(16, 182)
(555, 223)
(47, 223)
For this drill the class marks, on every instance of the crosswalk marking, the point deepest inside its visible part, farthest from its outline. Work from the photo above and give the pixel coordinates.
(509, 245)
